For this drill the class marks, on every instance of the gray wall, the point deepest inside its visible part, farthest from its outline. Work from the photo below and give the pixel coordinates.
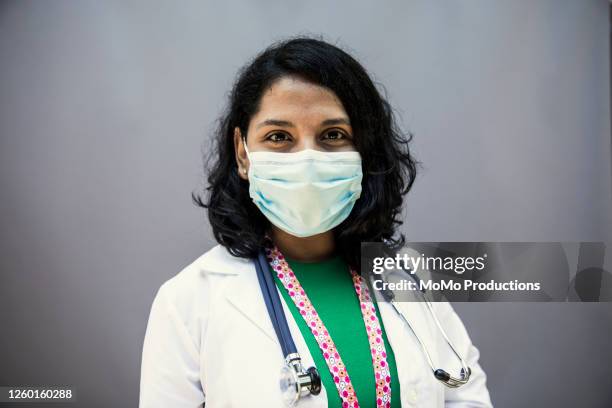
(106, 107)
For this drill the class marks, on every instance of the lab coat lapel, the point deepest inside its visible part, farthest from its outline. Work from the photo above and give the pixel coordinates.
(244, 293)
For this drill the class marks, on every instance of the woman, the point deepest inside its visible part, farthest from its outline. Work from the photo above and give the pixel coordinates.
(308, 164)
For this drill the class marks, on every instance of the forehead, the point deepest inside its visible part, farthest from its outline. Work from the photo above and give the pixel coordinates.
(296, 97)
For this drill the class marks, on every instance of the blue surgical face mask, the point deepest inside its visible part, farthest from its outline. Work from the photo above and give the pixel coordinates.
(307, 192)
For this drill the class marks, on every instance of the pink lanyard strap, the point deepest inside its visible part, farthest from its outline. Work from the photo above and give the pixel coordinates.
(330, 353)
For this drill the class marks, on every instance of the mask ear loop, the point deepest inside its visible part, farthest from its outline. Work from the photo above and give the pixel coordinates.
(246, 149)
(268, 241)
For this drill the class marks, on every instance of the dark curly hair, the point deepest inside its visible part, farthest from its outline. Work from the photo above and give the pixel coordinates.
(389, 169)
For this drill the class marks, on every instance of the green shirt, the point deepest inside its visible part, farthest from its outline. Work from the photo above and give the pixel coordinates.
(329, 286)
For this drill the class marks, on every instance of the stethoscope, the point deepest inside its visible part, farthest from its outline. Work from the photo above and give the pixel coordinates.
(296, 381)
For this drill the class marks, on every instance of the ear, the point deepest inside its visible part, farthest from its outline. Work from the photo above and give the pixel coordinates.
(240, 153)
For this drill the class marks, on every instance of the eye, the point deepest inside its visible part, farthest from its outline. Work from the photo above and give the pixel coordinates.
(277, 137)
(334, 135)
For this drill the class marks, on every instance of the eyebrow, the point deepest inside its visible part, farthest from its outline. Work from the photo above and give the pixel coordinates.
(285, 123)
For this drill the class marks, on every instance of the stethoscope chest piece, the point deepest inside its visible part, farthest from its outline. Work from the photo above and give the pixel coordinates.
(296, 382)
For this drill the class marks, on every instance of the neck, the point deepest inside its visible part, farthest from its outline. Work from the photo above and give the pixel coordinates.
(308, 249)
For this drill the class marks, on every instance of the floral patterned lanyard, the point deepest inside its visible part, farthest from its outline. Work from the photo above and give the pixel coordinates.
(330, 353)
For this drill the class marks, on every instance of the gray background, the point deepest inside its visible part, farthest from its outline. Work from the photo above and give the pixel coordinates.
(106, 107)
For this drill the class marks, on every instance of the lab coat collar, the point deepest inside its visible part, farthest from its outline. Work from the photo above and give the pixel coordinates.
(242, 289)
(219, 261)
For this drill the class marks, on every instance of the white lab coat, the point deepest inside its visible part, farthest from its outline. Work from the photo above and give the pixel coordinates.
(209, 340)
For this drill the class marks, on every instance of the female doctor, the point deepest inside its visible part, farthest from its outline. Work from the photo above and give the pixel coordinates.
(308, 164)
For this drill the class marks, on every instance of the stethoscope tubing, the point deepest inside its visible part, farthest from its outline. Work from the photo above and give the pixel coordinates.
(274, 306)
